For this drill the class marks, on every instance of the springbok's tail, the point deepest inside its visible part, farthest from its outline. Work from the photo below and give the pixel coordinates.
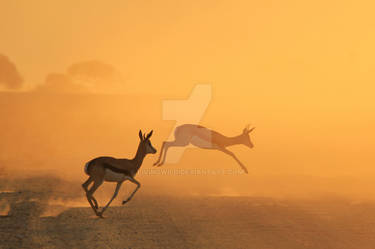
(87, 168)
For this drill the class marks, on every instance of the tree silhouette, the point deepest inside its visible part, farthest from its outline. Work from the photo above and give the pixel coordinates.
(87, 76)
(95, 75)
(10, 78)
(61, 83)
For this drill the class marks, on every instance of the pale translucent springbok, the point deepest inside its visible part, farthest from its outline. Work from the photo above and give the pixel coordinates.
(205, 138)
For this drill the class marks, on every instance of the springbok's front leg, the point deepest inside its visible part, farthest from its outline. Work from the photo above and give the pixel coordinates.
(228, 152)
(110, 201)
(135, 190)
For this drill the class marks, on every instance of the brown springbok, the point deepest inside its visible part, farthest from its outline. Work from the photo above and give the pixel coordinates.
(205, 138)
(109, 169)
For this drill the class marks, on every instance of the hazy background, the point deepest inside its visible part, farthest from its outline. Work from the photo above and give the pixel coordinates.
(80, 78)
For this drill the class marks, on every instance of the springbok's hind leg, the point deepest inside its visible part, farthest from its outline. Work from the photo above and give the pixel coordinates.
(85, 186)
(161, 153)
(167, 145)
(90, 197)
(235, 158)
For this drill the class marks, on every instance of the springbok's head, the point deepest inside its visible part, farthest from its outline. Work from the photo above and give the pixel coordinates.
(145, 143)
(246, 137)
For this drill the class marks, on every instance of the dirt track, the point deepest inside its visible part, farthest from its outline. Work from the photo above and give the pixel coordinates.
(190, 222)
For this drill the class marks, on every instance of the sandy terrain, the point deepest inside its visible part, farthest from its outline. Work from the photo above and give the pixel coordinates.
(37, 215)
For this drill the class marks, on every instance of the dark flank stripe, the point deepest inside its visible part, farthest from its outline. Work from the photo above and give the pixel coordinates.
(117, 170)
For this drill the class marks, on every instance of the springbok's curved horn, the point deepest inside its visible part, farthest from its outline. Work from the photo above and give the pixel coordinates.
(246, 129)
(251, 129)
(149, 135)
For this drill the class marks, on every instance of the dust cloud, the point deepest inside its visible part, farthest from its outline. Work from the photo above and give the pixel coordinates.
(57, 133)
(204, 201)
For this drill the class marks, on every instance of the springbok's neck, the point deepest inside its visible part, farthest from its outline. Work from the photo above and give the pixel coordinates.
(233, 140)
(139, 156)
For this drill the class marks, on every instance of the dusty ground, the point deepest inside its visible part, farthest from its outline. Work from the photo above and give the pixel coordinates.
(40, 216)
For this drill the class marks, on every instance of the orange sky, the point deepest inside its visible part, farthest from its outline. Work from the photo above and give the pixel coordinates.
(302, 72)
(248, 45)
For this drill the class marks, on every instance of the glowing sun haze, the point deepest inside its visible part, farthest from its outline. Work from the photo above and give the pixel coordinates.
(301, 71)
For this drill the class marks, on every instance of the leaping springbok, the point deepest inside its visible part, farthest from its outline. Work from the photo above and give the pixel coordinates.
(111, 169)
(205, 138)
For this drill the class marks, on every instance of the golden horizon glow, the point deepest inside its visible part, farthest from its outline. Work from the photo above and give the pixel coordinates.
(302, 72)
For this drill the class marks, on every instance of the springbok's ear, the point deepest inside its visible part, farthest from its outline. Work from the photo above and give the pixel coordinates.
(140, 135)
(149, 135)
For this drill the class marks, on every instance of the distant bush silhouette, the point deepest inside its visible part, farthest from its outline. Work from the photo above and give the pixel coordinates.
(56, 82)
(10, 78)
(86, 76)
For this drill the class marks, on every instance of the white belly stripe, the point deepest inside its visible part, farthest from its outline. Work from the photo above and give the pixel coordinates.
(111, 176)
